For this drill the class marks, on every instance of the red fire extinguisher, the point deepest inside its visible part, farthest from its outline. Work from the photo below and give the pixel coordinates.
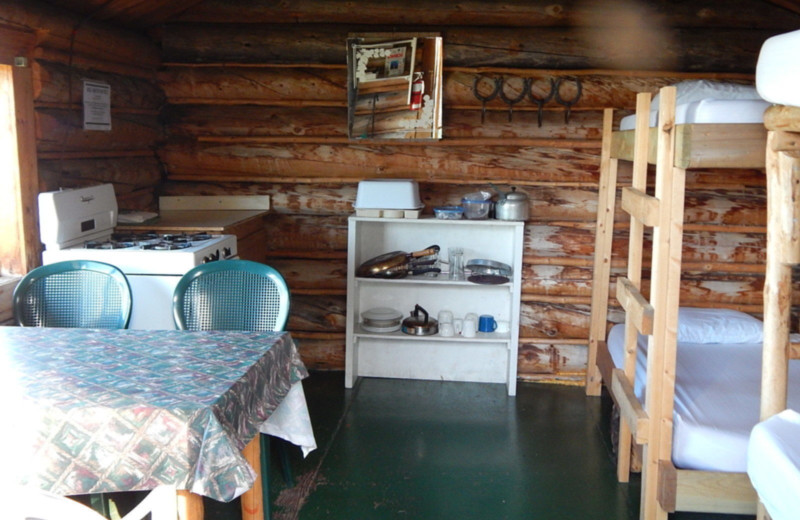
(417, 88)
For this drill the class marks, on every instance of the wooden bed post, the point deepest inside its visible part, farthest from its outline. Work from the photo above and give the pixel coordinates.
(604, 236)
(665, 296)
(783, 249)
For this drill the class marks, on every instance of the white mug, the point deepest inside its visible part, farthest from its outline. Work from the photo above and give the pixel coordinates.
(445, 316)
(503, 326)
(468, 329)
(458, 325)
(473, 318)
(447, 330)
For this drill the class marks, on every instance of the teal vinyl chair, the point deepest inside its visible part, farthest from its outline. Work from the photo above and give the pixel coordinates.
(236, 295)
(73, 293)
(231, 295)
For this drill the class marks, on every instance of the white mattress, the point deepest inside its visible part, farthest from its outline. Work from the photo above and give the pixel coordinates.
(709, 111)
(778, 69)
(704, 101)
(773, 464)
(717, 399)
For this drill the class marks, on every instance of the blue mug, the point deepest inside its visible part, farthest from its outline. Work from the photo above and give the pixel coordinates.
(486, 323)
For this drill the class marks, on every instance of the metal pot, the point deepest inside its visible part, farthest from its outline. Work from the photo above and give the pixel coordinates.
(512, 206)
(417, 325)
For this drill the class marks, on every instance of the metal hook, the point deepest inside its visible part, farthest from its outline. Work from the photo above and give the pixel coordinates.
(498, 86)
(511, 102)
(541, 101)
(571, 102)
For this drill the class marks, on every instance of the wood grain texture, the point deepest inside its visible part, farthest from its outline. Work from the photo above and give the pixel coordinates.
(57, 83)
(66, 31)
(62, 131)
(662, 48)
(522, 13)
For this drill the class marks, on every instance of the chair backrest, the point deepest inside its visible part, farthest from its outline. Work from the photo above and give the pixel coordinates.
(73, 293)
(231, 295)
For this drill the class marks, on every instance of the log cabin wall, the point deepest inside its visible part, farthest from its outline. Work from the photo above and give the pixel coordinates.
(257, 104)
(69, 48)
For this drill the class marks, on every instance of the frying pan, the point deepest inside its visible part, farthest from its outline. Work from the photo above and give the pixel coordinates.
(395, 264)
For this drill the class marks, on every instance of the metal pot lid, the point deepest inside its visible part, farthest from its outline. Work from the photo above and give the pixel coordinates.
(382, 314)
(516, 195)
(483, 266)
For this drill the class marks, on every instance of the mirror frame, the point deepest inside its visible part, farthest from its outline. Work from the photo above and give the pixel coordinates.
(395, 79)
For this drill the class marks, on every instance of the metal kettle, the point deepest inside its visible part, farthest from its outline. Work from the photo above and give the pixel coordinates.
(512, 206)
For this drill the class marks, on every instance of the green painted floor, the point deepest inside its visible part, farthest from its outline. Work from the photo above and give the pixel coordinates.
(440, 450)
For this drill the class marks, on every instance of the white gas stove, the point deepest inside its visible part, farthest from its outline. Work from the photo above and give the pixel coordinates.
(79, 225)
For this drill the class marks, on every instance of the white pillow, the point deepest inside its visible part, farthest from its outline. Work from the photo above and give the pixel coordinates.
(696, 325)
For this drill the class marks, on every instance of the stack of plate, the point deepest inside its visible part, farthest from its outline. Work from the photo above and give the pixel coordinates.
(381, 319)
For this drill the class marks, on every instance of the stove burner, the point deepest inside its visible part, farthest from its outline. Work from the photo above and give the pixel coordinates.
(167, 245)
(134, 237)
(197, 237)
(108, 244)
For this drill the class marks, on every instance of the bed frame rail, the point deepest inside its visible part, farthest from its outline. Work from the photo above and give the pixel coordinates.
(703, 145)
(705, 491)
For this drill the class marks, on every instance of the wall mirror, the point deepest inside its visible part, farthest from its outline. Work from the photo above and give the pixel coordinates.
(394, 86)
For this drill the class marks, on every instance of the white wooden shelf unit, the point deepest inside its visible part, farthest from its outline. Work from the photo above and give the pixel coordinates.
(488, 357)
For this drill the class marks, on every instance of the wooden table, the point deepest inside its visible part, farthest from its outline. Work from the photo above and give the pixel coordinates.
(91, 411)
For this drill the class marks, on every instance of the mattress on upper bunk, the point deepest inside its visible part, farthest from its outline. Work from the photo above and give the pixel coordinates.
(778, 69)
(703, 102)
(717, 388)
(773, 464)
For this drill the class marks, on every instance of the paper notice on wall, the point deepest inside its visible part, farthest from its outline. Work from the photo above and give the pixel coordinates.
(96, 105)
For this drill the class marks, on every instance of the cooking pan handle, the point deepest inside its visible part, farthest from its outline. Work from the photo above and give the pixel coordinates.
(424, 270)
(417, 309)
(430, 250)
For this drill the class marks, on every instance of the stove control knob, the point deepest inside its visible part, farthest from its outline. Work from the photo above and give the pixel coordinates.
(226, 252)
(211, 257)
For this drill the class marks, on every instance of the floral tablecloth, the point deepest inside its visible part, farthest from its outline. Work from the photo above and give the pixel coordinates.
(90, 411)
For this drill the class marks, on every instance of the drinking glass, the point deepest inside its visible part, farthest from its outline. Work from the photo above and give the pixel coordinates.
(455, 257)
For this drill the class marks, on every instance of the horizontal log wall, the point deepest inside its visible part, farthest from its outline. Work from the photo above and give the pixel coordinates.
(68, 49)
(260, 108)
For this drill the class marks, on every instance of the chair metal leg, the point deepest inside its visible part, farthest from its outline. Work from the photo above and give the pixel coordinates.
(283, 452)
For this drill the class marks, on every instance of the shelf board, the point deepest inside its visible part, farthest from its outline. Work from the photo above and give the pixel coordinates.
(430, 220)
(481, 337)
(428, 280)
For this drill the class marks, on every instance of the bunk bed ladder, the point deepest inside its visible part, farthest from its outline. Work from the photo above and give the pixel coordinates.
(651, 426)
(638, 311)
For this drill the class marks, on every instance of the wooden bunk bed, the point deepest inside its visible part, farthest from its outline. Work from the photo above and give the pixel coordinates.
(673, 149)
(783, 252)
